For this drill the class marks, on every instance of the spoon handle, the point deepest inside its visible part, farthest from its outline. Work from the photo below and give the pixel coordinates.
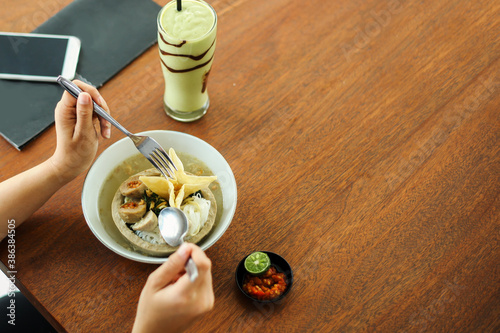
(191, 270)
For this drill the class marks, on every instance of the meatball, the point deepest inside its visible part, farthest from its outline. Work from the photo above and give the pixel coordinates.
(133, 188)
(132, 211)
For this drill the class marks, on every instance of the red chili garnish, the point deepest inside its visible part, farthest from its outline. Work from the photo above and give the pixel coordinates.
(130, 204)
(134, 184)
(267, 286)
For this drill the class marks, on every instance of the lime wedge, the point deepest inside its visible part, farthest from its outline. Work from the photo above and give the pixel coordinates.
(257, 263)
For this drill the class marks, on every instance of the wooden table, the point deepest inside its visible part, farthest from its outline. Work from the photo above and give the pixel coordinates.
(365, 140)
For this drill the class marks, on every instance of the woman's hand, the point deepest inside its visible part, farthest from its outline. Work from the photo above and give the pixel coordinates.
(78, 129)
(170, 301)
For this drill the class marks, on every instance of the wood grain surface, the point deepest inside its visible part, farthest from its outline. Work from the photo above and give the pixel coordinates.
(364, 136)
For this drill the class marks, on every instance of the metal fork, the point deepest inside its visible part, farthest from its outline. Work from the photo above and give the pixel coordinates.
(145, 144)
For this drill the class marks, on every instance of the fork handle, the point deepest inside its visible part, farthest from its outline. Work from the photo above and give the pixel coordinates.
(75, 91)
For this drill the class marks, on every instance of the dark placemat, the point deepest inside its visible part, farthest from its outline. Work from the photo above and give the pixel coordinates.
(113, 34)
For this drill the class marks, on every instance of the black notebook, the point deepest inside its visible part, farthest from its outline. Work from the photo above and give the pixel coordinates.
(113, 33)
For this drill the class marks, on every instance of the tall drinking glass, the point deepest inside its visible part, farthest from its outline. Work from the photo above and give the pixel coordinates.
(186, 41)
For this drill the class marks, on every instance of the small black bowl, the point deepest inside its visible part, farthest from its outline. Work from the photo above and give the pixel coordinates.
(282, 266)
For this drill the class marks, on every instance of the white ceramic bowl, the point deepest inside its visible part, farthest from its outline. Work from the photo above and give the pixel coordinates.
(121, 150)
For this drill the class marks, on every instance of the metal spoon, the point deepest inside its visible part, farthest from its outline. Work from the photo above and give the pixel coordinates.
(173, 224)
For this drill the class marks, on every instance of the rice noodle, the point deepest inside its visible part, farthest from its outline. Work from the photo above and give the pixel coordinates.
(196, 209)
(152, 237)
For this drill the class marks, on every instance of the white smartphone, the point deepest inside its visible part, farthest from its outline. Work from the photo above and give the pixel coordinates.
(38, 57)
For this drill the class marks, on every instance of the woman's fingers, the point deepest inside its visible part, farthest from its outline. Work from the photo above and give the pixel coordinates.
(105, 125)
(84, 115)
(69, 101)
(169, 270)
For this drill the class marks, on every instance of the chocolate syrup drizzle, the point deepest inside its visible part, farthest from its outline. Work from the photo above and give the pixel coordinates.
(176, 45)
(193, 57)
(173, 70)
(205, 81)
(196, 58)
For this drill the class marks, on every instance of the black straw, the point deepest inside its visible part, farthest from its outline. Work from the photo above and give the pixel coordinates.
(179, 5)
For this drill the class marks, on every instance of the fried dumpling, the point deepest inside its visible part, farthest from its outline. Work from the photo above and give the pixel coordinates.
(178, 188)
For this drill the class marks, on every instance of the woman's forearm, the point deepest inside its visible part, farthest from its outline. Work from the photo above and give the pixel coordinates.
(23, 194)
